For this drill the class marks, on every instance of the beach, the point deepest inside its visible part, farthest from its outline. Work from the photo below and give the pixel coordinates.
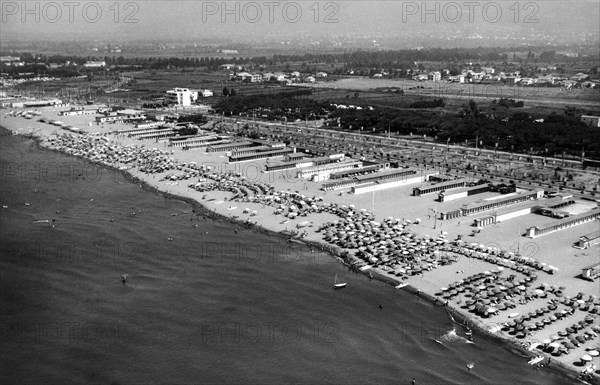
(379, 207)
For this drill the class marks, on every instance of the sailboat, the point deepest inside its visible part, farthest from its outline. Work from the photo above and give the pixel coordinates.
(338, 285)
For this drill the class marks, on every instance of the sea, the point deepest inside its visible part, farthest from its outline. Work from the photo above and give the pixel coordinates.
(205, 301)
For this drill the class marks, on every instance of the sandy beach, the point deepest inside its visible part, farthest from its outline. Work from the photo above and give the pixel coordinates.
(467, 269)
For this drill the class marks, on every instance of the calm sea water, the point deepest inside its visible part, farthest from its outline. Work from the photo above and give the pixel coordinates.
(210, 306)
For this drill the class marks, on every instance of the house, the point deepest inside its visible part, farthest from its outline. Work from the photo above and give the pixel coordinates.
(457, 79)
(94, 64)
(511, 80)
(435, 76)
(421, 77)
(378, 76)
(475, 76)
(488, 70)
(205, 93)
(310, 79)
(526, 81)
(230, 67)
(321, 75)
(593, 121)
(295, 74)
(568, 83)
(580, 76)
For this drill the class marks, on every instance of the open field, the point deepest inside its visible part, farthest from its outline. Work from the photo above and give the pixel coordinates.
(554, 97)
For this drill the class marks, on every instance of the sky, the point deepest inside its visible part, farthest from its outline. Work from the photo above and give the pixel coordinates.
(188, 20)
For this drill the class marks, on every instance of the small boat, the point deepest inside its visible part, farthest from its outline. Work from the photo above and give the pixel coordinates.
(535, 360)
(400, 286)
(471, 365)
(124, 278)
(338, 285)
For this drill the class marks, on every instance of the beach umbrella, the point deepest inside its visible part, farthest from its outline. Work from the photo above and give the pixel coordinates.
(594, 353)
(580, 338)
(568, 345)
(586, 358)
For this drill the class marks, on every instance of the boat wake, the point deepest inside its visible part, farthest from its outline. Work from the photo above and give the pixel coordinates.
(451, 336)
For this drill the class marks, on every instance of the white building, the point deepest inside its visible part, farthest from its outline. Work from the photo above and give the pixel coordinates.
(180, 96)
(593, 121)
(205, 93)
(436, 76)
(248, 77)
(94, 64)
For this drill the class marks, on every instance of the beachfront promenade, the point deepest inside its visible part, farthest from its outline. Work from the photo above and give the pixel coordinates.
(383, 236)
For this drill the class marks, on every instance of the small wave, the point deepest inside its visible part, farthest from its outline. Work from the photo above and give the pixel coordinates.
(451, 336)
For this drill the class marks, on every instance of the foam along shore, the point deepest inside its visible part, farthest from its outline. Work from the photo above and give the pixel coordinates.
(483, 282)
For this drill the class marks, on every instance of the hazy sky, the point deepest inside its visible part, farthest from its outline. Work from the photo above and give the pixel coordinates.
(163, 20)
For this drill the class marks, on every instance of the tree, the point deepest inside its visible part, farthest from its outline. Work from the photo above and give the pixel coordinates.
(473, 107)
(226, 91)
(232, 92)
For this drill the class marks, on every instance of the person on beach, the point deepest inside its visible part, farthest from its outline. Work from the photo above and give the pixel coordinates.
(413, 382)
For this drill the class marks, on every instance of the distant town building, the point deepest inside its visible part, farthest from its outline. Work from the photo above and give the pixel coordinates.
(94, 64)
(436, 76)
(248, 77)
(593, 121)
(4, 59)
(457, 78)
(321, 75)
(230, 66)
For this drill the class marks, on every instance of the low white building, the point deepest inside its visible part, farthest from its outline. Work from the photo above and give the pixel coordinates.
(593, 121)
(94, 64)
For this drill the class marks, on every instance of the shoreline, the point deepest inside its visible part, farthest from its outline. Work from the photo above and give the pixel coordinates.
(454, 312)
